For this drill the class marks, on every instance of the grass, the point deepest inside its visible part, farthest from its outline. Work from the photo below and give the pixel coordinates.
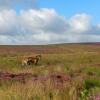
(80, 62)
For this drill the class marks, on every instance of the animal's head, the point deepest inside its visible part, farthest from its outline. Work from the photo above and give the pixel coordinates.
(38, 57)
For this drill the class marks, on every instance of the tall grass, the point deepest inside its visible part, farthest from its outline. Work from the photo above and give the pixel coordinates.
(79, 62)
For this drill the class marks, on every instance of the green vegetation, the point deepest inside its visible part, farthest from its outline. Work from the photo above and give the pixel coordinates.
(80, 62)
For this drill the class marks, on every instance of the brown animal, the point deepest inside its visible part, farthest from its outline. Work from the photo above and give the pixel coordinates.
(34, 60)
(24, 61)
(31, 60)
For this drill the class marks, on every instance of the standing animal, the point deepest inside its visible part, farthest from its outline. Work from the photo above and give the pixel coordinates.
(34, 60)
(31, 60)
(38, 57)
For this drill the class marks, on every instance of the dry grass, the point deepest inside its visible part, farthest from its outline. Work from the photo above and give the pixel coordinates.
(80, 62)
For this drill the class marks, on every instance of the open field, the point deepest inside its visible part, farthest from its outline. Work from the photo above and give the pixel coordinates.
(65, 72)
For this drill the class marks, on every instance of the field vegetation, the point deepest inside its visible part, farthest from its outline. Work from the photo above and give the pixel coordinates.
(65, 72)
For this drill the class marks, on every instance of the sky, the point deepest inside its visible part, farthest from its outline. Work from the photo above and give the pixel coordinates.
(27, 22)
(69, 8)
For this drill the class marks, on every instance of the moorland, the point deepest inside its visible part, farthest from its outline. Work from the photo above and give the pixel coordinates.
(65, 72)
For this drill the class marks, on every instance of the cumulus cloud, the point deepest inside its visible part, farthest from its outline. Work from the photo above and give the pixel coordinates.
(43, 20)
(8, 22)
(80, 22)
(42, 26)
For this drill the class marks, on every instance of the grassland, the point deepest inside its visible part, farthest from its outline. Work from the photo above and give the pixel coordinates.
(80, 62)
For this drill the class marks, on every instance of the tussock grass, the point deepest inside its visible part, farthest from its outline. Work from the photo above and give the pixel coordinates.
(80, 62)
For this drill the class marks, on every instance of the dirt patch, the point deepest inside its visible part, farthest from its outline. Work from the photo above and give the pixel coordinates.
(56, 78)
(11, 76)
(59, 77)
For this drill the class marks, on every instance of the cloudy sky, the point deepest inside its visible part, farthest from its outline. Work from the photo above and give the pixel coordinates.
(49, 21)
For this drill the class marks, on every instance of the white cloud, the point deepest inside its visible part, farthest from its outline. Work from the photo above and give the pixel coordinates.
(80, 22)
(98, 26)
(41, 26)
(43, 19)
(8, 22)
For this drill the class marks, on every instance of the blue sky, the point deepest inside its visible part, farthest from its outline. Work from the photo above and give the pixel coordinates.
(49, 21)
(69, 8)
